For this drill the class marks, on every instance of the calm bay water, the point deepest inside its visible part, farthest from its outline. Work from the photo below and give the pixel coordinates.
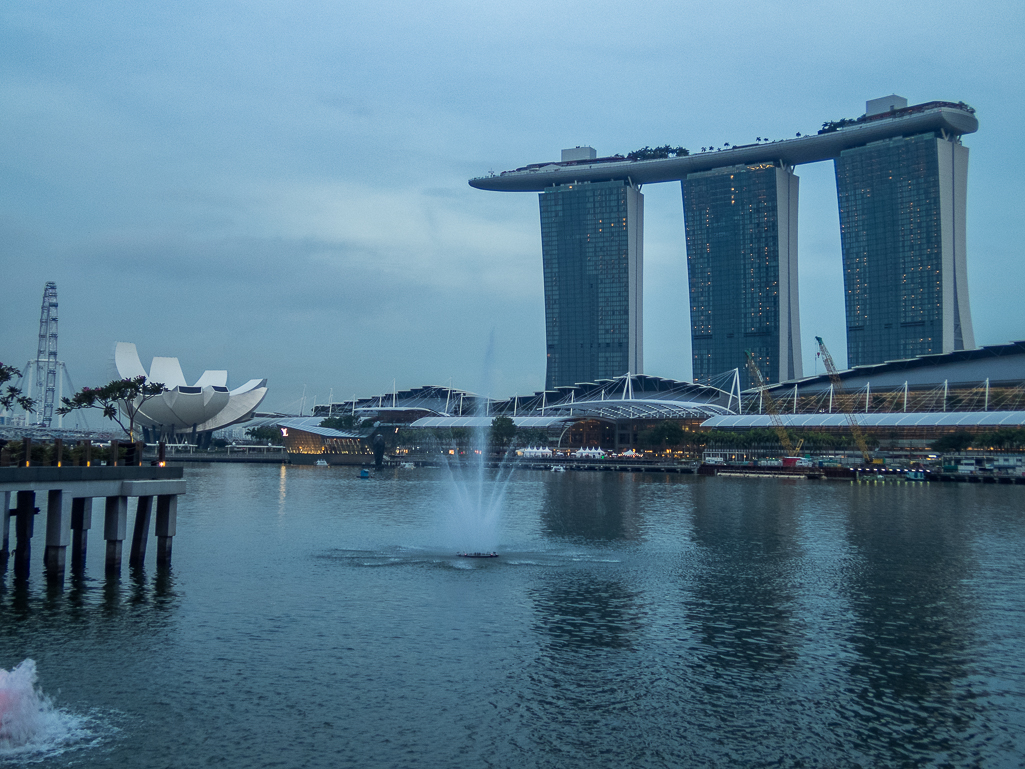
(315, 619)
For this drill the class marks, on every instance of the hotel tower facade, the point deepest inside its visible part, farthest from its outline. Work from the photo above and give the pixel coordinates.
(902, 180)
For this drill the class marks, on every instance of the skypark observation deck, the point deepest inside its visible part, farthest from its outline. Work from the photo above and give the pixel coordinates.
(901, 176)
(944, 118)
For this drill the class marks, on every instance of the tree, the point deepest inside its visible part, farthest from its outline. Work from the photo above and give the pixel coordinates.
(535, 438)
(666, 433)
(834, 125)
(13, 394)
(342, 422)
(503, 430)
(954, 442)
(120, 399)
(461, 437)
(269, 434)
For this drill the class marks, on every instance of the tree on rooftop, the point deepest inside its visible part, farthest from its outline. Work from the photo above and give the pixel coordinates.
(656, 153)
(120, 400)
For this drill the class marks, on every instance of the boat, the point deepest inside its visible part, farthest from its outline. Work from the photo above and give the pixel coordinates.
(915, 475)
(478, 555)
(364, 472)
(558, 469)
(321, 463)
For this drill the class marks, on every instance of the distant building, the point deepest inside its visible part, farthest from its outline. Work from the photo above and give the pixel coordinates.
(885, 104)
(741, 225)
(921, 398)
(579, 153)
(591, 244)
(308, 443)
(901, 176)
(184, 413)
(917, 399)
(902, 228)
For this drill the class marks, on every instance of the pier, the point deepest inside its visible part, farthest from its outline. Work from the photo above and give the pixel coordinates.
(860, 474)
(558, 463)
(64, 496)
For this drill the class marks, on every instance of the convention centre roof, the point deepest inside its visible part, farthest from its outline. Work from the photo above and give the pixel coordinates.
(626, 392)
(452, 423)
(931, 419)
(1002, 364)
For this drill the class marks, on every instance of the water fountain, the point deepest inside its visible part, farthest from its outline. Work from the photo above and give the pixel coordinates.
(473, 520)
(29, 723)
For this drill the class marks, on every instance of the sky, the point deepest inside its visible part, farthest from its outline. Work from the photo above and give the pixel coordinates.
(280, 189)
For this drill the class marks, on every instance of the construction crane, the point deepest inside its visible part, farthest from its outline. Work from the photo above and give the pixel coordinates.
(770, 405)
(845, 406)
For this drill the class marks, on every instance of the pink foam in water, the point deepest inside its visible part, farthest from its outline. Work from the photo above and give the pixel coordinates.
(23, 708)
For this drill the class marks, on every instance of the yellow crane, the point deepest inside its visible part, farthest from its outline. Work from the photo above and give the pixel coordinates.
(770, 406)
(845, 406)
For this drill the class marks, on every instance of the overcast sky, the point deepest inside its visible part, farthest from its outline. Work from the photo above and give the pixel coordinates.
(280, 189)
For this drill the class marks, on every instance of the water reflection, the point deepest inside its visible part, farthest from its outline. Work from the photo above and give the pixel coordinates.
(282, 488)
(78, 589)
(18, 598)
(22, 597)
(585, 611)
(914, 622)
(742, 593)
(592, 507)
(582, 698)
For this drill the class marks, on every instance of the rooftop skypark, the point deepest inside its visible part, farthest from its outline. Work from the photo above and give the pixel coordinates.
(949, 119)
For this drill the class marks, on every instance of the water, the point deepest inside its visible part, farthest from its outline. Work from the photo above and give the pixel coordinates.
(471, 521)
(315, 619)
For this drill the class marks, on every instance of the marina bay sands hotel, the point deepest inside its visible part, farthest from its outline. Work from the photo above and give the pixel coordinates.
(901, 181)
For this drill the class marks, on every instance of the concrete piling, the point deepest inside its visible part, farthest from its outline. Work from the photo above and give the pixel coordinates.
(167, 527)
(115, 528)
(140, 534)
(58, 533)
(69, 493)
(24, 514)
(5, 521)
(81, 522)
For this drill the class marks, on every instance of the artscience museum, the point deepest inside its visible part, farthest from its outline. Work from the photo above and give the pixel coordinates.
(183, 412)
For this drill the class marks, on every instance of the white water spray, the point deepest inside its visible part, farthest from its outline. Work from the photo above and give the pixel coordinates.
(473, 520)
(29, 724)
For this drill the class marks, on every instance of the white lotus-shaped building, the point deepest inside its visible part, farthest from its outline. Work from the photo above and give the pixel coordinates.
(201, 408)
